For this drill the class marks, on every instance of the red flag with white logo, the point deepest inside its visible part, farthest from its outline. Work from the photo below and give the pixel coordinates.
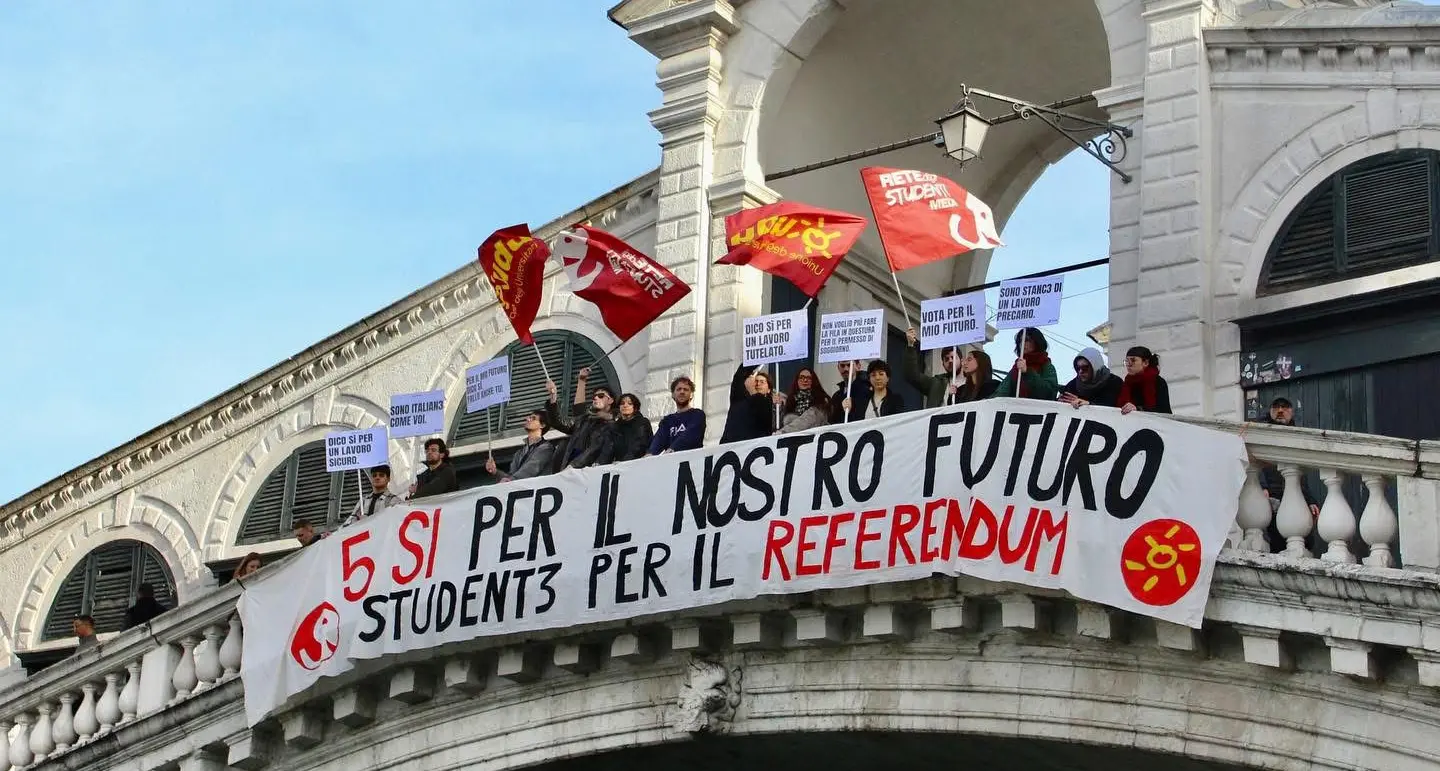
(924, 217)
(514, 261)
(789, 239)
(630, 289)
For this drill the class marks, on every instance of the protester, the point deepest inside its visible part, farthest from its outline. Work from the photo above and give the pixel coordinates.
(683, 429)
(379, 499)
(1272, 482)
(857, 389)
(439, 475)
(940, 389)
(633, 434)
(882, 401)
(751, 415)
(806, 406)
(145, 608)
(1038, 379)
(248, 566)
(592, 438)
(305, 533)
(535, 455)
(977, 378)
(1143, 388)
(84, 628)
(1094, 383)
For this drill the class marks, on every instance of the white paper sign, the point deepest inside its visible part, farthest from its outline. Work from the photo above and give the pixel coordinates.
(363, 449)
(955, 320)
(1125, 510)
(487, 384)
(854, 336)
(777, 337)
(417, 414)
(1031, 302)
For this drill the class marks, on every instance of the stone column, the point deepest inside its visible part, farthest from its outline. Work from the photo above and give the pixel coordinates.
(1173, 285)
(688, 40)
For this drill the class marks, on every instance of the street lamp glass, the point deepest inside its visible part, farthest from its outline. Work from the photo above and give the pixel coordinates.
(964, 132)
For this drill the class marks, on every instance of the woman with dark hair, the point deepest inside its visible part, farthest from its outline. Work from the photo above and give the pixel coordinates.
(632, 430)
(1143, 389)
(806, 406)
(977, 378)
(248, 565)
(751, 413)
(1037, 376)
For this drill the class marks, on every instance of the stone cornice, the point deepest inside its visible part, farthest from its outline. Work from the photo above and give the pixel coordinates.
(181, 437)
(1324, 50)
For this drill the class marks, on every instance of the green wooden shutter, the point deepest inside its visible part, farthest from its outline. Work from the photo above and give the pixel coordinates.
(266, 515)
(565, 354)
(1388, 214)
(155, 572)
(313, 488)
(1305, 251)
(115, 573)
(69, 602)
(348, 495)
(104, 584)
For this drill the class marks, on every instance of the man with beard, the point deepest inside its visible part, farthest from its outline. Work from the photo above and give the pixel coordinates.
(592, 443)
(683, 429)
(858, 390)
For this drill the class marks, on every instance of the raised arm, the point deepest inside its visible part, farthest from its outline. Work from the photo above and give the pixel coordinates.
(580, 380)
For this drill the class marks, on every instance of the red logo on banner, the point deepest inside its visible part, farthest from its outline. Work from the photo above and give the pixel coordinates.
(1161, 561)
(514, 261)
(630, 289)
(923, 217)
(317, 638)
(788, 239)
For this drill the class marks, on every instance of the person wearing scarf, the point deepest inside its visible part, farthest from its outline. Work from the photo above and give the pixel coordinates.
(1143, 389)
(1037, 376)
(1094, 383)
(807, 405)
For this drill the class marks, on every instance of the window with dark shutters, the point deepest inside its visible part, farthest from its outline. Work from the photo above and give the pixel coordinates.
(1374, 215)
(104, 585)
(301, 489)
(566, 353)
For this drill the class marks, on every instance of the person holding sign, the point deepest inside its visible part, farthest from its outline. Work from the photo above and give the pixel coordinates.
(1036, 375)
(1094, 383)
(751, 415)
(807, 405)
(683, 429)
(534, 457)
(379, 499)
(882, 401)
(438, 477)
(1143, 389)
(592, 439)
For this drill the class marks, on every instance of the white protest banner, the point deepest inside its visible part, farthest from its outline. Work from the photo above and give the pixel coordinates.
(487, 384)
(954, 320)
(854, 336)
(417, 414)
(1129, 511)
(1029, 302)
(777, 337)
(346, 450)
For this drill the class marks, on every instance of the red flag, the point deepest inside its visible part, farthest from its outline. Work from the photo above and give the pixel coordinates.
(630, 289)
(923, 217)
(514, 261)
(791, 240)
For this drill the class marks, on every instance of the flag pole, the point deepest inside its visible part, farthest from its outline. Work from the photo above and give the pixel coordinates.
(1018, 373)
(543, 368)
(850, 390)
(954, 374)
(900, 297)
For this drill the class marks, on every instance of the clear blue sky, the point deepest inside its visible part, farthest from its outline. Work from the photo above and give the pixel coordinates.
(191, 192)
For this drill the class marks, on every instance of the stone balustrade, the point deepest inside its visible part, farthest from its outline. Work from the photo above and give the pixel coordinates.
(137, 673)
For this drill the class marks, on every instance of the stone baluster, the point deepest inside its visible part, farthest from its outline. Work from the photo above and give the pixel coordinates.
(20, 753)
(1293, 517)
(63, 734)
(1377, 523)
(184, 678)
(230, 651)
(130, 697)
(107, 711)
(5, 726)
(42, 739)
(1337, 520)
(87, 723)
(1255, 512)
(207, 658)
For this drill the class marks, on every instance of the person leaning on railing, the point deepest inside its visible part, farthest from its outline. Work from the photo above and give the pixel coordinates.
(439, 476)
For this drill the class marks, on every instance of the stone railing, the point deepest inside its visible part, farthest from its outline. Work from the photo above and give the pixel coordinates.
(140, 672)
(1356, 473)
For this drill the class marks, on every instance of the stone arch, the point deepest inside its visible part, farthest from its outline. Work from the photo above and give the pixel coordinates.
(148, 520)
(280, 437)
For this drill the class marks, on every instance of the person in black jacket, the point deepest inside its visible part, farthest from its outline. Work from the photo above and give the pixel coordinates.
(438, 477)
(633, 431)
(1272, 484)
(1143, 389)
(145, 608)
(882, 402)
(1094, 383)
(752, 409)
(858, 389)
(591, 431)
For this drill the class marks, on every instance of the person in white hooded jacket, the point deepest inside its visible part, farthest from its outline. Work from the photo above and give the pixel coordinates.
(1094, 383)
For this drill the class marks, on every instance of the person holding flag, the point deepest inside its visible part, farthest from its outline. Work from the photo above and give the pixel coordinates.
(1037, 376)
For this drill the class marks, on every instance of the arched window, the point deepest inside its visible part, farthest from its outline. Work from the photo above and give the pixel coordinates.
(103, 585)
(1374, 215)
(566, 353)
(300, 489)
